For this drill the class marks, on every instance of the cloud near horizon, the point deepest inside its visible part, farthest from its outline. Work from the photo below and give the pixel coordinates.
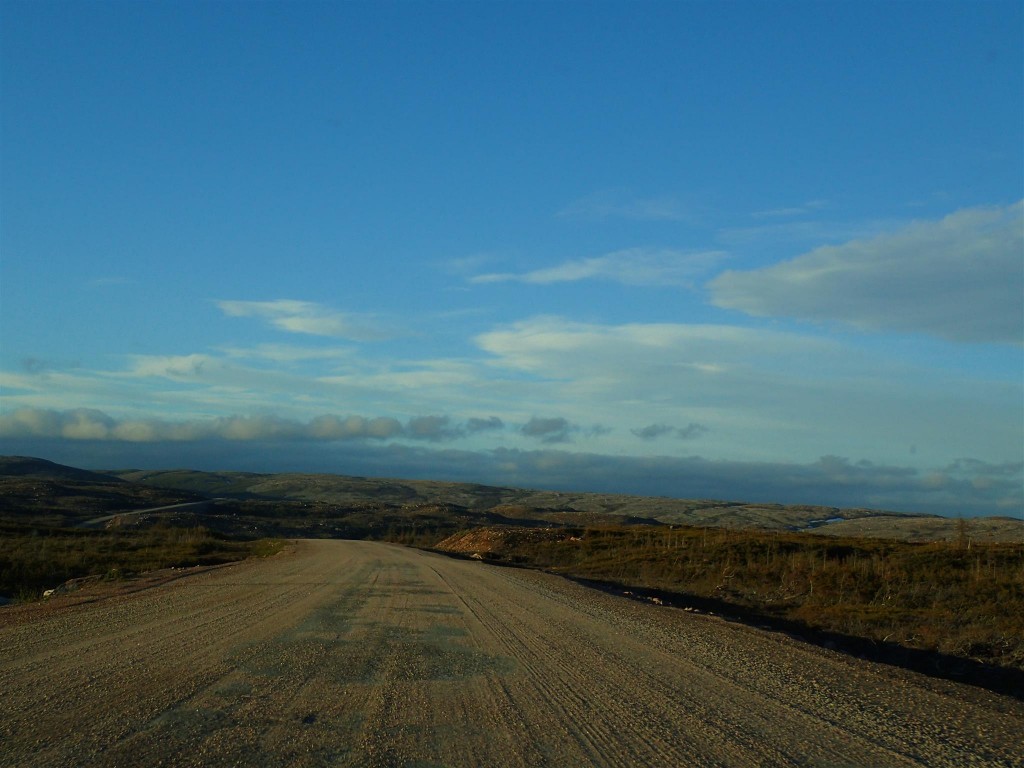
(93, 424)
(742, 384)
(671, 362)
(549, 430)
(960, 278)
(633, 266)
(654, 431)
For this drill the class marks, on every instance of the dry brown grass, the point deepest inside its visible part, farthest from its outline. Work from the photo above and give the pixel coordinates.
(36, 559)
(959, 598)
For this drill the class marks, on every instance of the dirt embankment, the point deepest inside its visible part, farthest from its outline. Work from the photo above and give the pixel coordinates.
(484, 542)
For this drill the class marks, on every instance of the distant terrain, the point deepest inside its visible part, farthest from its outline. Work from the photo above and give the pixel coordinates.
(922, 583)
(401, 500)
(338, 505)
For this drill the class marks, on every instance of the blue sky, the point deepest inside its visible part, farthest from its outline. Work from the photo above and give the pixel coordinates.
(758, 251)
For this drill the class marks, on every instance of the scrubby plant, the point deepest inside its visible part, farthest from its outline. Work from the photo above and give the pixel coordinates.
(36, 559)
(943, 596)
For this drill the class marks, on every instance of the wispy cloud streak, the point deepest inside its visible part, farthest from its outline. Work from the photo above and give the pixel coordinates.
(305, 317)
(634, 266)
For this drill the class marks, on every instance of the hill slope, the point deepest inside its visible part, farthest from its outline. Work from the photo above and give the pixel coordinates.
(42, 492)
(564, 507)
(339, 505)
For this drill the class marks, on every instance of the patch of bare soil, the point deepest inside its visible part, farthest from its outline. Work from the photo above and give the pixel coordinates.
(481, 542)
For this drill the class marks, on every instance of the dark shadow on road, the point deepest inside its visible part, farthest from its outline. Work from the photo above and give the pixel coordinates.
(1002, 680)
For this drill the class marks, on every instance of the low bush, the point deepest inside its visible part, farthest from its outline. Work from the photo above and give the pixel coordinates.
(36, 559)
(959, 599)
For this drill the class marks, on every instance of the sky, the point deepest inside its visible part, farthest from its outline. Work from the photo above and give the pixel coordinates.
(766, 252)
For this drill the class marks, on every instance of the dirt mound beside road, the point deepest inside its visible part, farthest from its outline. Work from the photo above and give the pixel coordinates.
(488, 541)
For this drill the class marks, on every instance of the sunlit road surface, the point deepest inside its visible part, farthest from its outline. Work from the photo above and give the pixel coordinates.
(343, 653)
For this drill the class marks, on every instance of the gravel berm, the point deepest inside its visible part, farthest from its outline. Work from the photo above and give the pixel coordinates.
(346, 653)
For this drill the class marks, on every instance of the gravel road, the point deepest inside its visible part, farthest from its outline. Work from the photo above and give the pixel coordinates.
(359, 654)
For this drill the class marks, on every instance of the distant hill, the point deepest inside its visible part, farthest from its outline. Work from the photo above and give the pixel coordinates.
(292, 504)
(556, 507)
(29, 466)
(45, 493)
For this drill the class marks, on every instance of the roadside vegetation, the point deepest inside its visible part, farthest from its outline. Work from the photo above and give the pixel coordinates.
(938, 587)
(35, 559)
(957, 598)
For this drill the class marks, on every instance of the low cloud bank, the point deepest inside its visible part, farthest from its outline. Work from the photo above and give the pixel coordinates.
(549, 430)
(654, 431)
(92, 424)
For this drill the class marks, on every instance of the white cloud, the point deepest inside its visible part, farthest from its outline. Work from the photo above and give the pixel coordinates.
(211, 383)
(296, 382)
(634, 266)
(559, 348)
(305, 317)
(284, 353)
(346, 428)
(410, 378)
(75, 424)
(960, 278)
(91, 424)
(19, 381)
(175, 367)
(759, 393)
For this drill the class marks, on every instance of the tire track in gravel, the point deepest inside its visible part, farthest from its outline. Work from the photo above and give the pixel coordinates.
(553, 683)
(565, 662)
(843, 694)
(361, 654)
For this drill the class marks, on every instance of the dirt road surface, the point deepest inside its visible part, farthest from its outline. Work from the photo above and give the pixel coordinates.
(361, 654)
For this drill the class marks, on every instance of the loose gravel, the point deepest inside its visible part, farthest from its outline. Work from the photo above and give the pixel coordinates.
(348, 653)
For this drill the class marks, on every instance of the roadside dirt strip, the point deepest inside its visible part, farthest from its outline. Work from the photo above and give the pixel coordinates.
(360, 654)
